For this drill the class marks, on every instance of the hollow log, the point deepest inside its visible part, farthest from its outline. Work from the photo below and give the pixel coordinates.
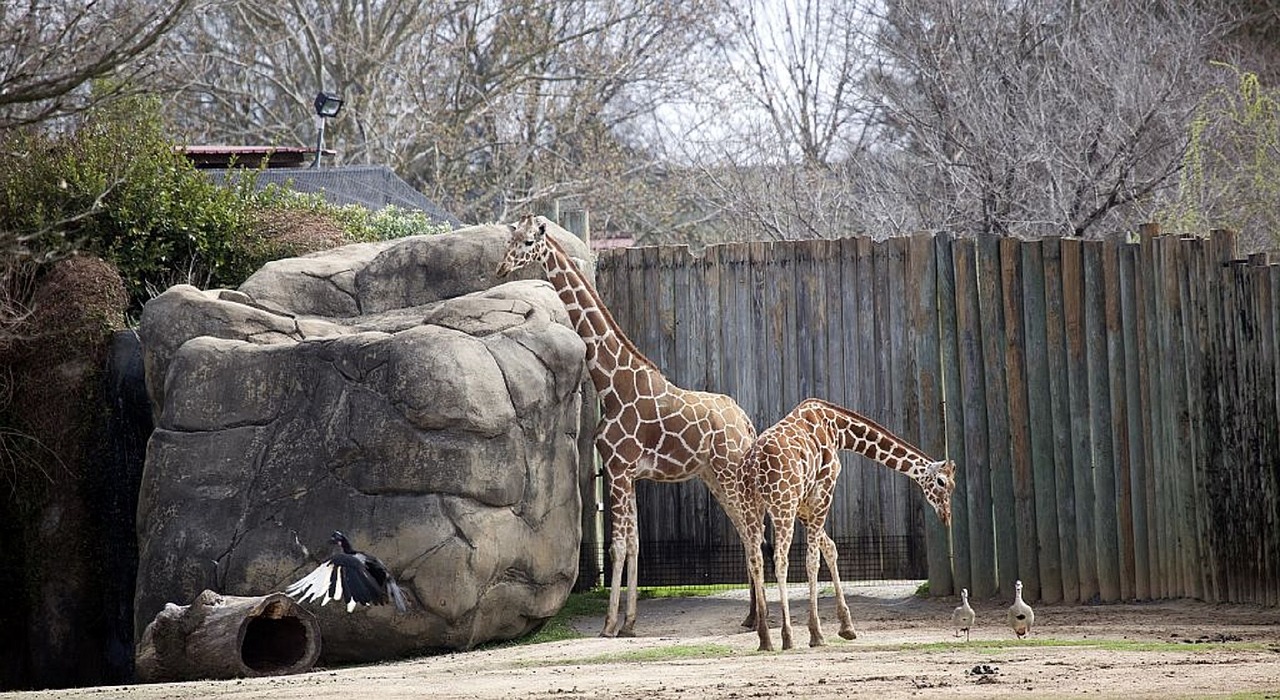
(220, 636)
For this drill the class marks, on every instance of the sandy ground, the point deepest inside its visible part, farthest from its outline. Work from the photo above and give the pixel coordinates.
(693, 648)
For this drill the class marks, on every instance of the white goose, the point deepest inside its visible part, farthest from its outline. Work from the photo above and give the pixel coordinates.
(962, 617)
(1021, 616)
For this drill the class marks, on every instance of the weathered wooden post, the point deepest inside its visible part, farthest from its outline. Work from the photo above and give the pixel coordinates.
(220, 636)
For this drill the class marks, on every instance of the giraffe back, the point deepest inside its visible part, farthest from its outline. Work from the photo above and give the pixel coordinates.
(673, 434)
(795, 459)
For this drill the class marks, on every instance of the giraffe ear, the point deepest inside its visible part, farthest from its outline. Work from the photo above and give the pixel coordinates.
(542, 228)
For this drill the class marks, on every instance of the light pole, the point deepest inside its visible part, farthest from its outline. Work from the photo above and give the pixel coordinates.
(327, 105)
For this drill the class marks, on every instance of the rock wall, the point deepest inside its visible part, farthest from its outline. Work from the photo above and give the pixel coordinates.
(386, 390)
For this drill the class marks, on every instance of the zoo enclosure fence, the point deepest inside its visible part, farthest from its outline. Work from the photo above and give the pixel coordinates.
(1112, 405)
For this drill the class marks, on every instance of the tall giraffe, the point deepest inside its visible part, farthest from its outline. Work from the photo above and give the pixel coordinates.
(794, 467)
(649, 427)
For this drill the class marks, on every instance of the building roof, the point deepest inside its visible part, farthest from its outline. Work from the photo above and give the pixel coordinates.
(373, 186)
(207, 157)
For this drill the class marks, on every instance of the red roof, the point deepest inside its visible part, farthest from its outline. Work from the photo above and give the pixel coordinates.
(250, 156)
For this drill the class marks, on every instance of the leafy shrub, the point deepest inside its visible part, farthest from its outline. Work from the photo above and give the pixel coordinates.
(114, 185)
(358, 223)
(1231, 171)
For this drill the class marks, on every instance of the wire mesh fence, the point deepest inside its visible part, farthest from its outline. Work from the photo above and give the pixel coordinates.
(698, 565)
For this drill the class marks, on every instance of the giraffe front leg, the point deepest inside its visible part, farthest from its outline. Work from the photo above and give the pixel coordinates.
(633, 580)
(623, 509)
(618, 550)
(842, 608)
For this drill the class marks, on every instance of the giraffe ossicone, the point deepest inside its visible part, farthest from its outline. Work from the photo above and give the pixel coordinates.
(649, 427)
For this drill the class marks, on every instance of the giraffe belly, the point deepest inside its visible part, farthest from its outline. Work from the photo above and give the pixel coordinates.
(653, 466)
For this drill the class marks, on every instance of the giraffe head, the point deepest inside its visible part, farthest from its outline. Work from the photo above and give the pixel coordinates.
(527, 244)
(937, 482)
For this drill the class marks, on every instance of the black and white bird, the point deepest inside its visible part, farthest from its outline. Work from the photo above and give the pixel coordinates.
(352, 577)
(1021, 616)
(962, 616)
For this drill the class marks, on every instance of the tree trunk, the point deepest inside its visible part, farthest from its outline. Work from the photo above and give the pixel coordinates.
(228, 637)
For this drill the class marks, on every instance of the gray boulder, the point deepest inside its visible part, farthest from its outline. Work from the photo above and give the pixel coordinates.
(387, 390)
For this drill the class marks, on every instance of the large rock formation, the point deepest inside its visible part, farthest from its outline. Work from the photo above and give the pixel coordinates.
(386, 390)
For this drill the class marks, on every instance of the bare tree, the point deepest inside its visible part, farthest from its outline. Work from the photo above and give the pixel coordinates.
(50, 52)
(1038, 117)
(1031, 117)
(800, 65)
(483, 105)
(789, 111)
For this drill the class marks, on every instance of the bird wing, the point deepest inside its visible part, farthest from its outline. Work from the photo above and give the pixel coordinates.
(344, 578)
(317, 585)
(388, 588)
(358, 583)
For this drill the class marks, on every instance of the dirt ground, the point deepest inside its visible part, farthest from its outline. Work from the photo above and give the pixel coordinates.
(693, 648)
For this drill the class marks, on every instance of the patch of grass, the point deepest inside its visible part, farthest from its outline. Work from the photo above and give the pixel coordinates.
(653, 592)
(1104, 644)
(560, 627)
(651, 654)
(922, 591)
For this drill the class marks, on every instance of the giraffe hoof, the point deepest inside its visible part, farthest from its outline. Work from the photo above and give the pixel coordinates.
(627, 633)
(848, 634)
(817, 642)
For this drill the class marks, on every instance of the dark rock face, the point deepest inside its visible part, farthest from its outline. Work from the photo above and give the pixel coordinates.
(387, 390)
(60, 495)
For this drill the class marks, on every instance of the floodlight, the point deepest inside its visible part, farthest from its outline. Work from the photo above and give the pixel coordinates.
(328, 104)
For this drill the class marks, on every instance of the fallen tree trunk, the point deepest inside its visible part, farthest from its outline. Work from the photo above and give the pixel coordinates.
(220, 636)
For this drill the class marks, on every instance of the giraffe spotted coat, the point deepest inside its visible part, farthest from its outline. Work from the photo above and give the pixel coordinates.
(649, 427)
(791, 474)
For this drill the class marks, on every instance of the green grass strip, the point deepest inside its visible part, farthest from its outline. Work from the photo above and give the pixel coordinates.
(675, 652)
(1104, 644)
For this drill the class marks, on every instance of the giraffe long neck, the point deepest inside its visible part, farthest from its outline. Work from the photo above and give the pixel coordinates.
(608, 348)
(855, 432)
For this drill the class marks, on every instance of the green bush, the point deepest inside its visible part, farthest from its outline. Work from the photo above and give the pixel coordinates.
(1230, 174)
(114, 185)
(359, 224)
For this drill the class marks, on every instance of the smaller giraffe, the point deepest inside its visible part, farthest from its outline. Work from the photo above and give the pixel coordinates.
(795, 467)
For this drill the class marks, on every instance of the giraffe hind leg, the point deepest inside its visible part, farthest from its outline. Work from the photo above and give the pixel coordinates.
(782, 545)
(759, 617)
(842, 608)
(812, 559)
(765, 552)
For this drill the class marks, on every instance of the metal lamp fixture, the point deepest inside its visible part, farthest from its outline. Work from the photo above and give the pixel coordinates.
(327, 106)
